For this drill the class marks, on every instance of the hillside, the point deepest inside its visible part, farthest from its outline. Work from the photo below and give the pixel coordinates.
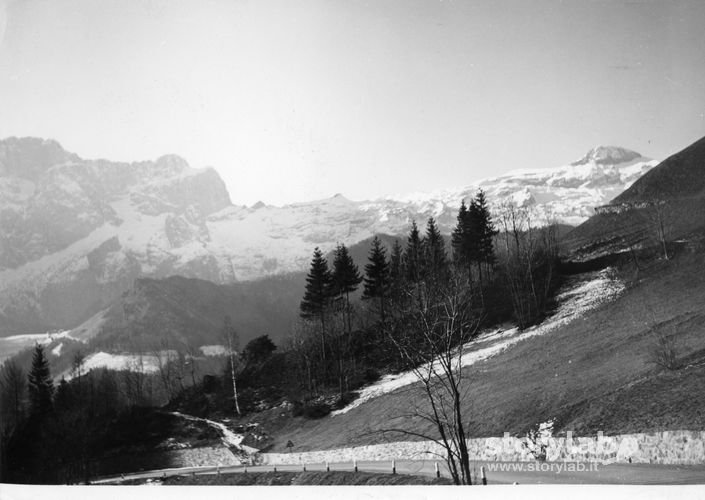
(671, 194)
(681, 175)
(592, 371)
(188, 311)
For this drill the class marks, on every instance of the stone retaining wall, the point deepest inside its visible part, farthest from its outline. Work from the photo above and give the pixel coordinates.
(197, 457)
(667, 447)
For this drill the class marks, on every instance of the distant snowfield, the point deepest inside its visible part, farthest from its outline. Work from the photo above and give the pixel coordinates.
(9, 346)
(213, 350)
(576, 299)
(145, 363)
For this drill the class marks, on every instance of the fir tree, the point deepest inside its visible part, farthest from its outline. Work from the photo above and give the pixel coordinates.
(318, 286)
(460, 235)
(345, 278)
(377, 276)
(41, 385)
(473, 232)
(486, 232)
(434, 252)
(413, 256)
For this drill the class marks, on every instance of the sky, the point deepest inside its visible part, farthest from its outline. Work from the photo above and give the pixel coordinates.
(299, 100)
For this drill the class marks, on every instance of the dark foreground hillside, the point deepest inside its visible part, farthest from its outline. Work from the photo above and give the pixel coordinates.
(597, 373)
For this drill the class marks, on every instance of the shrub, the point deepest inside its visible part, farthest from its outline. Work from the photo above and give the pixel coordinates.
(310, 410)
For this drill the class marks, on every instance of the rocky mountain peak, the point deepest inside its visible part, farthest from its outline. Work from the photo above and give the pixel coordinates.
(607, 155)
(30, 157)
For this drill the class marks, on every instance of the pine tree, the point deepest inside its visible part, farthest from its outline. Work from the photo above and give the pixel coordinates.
(473, 233)
(41, 385)
(459, 236)
(486, 232)
(377, 276)
(318, 287)
(413, 256)
(345, 278)
(434, 252)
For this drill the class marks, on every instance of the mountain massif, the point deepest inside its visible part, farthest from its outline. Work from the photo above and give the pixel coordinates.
(76, 233)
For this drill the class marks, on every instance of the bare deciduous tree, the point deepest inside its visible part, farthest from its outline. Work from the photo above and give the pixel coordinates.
(231, 339)
(528, 259)
(433, 350)
(660, 217)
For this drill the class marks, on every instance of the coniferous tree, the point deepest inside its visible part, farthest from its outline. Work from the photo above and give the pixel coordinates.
(316, 299)
(460, 235)
(13, 385)
(345, 278)
(434, 252)
(413, 256)
(41, 385)
(473, 230)
(318, 287)
(486, 232)
(377, 276)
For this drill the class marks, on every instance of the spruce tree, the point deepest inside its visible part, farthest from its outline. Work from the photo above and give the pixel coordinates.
(41, 385)
(345, 278)
(473, 232)
(434, 252)
(318, 287)
(377, 276)
(459, 236)
(413, 256)
(486, 231)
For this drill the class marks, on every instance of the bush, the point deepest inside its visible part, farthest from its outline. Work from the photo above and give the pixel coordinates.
(310, 410)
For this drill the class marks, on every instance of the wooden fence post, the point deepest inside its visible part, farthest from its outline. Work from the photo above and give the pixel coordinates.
(327, 466)
(355, 465)
(484, 478)
(438, 471)
(394, 467)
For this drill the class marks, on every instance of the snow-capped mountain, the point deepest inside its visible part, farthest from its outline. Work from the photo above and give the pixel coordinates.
(75, 233)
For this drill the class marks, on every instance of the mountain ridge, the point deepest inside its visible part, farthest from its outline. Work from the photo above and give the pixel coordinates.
(77, 233)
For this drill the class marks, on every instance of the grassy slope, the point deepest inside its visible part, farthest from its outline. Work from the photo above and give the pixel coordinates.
(595, 373)
(611, 233)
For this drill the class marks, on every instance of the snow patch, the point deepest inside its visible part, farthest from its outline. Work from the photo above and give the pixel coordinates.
(145, 363)
(229, 438)
(213, 350)
(576, 299)
(56, 351)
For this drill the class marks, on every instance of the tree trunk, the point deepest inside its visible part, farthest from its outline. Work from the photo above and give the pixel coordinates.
(232, 374)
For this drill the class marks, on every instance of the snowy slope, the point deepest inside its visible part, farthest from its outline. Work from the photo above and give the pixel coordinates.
(75, 233)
